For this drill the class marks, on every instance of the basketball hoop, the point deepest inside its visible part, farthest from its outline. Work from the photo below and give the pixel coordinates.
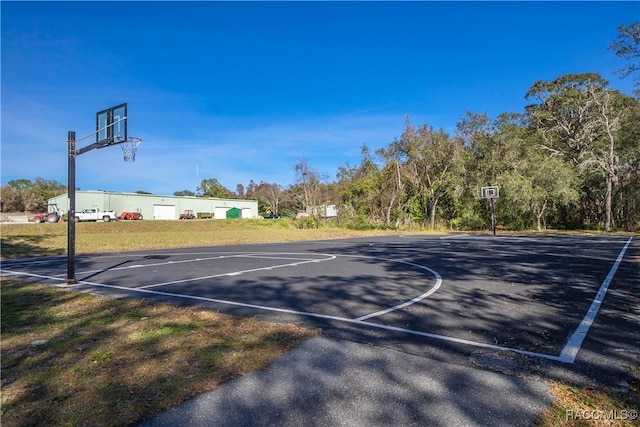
(492, 192)
(130, 147)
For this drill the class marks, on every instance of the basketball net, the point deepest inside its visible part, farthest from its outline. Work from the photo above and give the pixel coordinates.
(130, 147)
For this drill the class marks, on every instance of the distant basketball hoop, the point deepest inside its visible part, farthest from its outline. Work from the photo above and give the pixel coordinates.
(130, 148)
(492, 192)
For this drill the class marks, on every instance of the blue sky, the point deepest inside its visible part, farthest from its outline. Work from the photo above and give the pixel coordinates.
(242, 91)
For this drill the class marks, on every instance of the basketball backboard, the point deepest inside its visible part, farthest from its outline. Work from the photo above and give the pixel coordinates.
(111, 125)
(492, 192)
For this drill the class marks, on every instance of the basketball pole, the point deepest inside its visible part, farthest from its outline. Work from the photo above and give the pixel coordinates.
(71, 215)
(490, 194)
(493, 215)
(73, 152)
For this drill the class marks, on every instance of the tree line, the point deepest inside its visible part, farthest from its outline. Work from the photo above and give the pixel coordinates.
(570, 160)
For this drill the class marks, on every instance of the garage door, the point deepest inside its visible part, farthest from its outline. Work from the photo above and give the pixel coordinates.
(220, 213)
(164, 212)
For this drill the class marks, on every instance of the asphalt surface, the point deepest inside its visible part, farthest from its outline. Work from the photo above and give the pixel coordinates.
(328, 382)
(417, 330)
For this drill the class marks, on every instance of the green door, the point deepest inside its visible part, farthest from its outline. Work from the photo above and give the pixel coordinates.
(234, 213)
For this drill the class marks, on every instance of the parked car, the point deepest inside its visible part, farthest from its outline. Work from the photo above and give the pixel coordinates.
(271, 216)
(95, 214)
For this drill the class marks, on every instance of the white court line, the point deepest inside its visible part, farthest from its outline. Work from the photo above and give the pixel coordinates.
(306, 261)
(26, 263)
(155, 264)
(39, 276)
(237, 273)
(314, 315)
(567, 355)
(406, 303)
(258, 255)
(570, 350)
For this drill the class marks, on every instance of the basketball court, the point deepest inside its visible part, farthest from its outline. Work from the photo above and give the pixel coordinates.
(535, 296)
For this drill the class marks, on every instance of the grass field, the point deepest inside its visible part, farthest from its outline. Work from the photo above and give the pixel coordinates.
(76, 359)
(92, 237)
(71, 359)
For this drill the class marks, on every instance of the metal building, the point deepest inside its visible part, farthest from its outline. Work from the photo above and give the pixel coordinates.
(159, 207)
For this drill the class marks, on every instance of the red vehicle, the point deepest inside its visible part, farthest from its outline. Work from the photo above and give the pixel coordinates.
(130, 216)
(188, 214)
(53, 214)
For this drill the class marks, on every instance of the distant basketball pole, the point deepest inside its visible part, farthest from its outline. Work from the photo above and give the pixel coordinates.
(491, 193)
(111, 129)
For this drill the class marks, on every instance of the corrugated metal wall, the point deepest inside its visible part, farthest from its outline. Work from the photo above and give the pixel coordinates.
(146, 204)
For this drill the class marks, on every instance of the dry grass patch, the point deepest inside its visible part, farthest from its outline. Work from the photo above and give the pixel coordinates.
(592, 406)
(51, 239)
(70, 358)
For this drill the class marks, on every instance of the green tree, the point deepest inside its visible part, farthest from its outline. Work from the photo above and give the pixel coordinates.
(539, 185)
(183, 193)
(358, 187)
(240, 191)
(507, 153)
(578, 119)
(627, 46)
(487, 158)
(307, 190)
(477, 133)
(212, 188)
(15, 195)
(22, 195)
(392, 188)
(10, 199)
(269, 195)
(542, 183)
(434, 166)
(627, 206)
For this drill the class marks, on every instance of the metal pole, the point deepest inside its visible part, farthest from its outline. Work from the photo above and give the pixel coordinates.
(71, 215)
(493, 215)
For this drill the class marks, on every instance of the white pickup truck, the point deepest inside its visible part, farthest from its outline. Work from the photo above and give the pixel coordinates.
(94, 214)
